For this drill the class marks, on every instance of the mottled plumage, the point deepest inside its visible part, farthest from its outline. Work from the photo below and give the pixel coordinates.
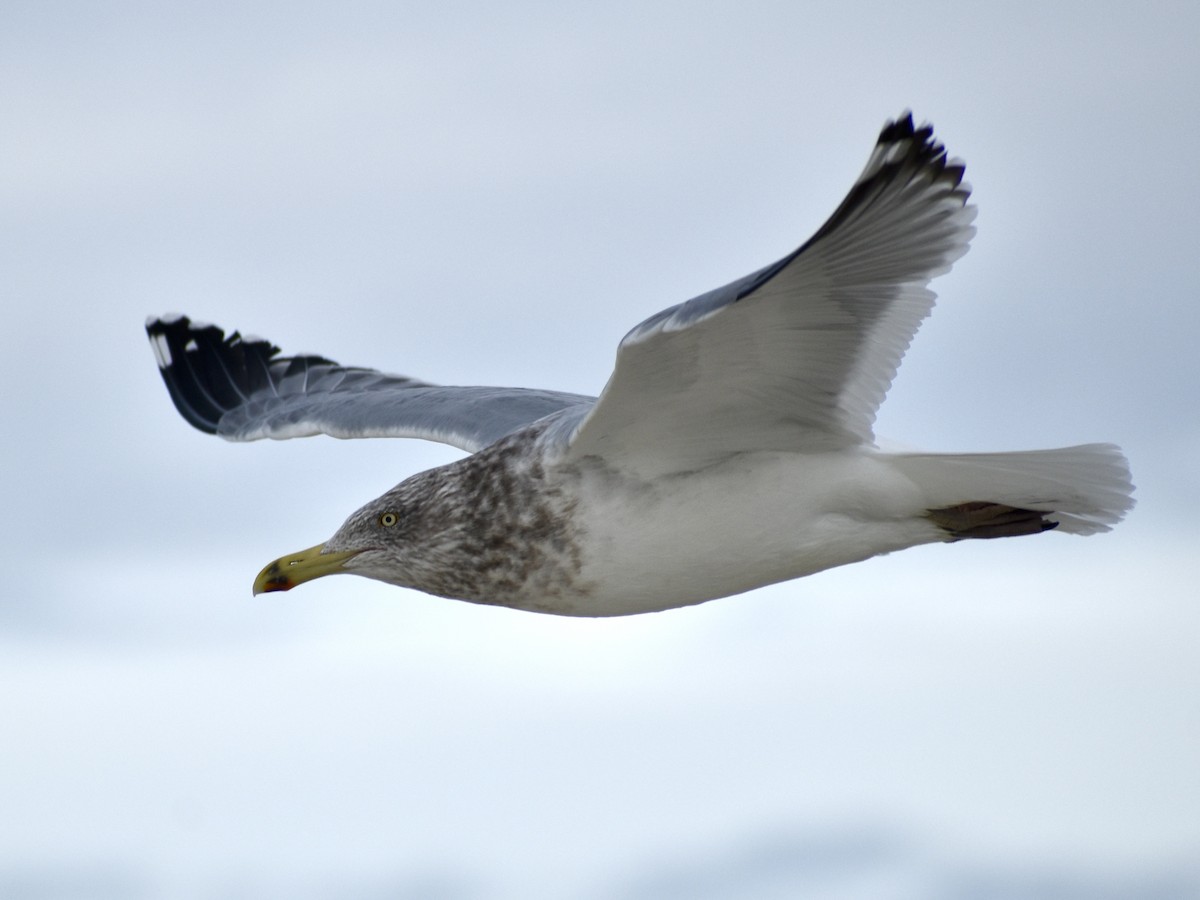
(731, 448)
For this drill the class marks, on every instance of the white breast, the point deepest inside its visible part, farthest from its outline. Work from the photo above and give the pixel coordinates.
(752, 520)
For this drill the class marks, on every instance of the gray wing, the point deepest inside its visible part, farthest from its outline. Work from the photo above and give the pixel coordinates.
(242, 390)
(800, 354)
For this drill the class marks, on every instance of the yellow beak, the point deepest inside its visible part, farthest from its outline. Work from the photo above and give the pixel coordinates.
(288, 571)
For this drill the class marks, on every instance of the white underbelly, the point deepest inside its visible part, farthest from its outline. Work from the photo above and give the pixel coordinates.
(752, 521)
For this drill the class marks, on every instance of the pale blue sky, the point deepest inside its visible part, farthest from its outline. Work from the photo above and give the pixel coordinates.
(470, 195)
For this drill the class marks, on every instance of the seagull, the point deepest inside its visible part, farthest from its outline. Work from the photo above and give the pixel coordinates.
(731, 448)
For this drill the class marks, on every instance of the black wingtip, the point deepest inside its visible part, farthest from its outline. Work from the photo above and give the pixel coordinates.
(903, 151)
(207, 373)
(920, 148)
(901, 128)
(915, 143)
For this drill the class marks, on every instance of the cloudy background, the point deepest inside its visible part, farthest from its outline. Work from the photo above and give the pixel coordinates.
(494, 193)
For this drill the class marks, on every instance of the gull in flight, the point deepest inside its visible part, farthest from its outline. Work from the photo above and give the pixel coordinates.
(731, 448)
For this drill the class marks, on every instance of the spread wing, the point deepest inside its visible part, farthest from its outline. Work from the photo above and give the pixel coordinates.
(241, 389)
(798, 355)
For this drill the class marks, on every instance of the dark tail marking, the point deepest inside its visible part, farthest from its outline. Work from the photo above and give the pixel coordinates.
(984, 519)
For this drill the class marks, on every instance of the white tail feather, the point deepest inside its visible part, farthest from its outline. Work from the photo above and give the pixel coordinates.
(1086, 489)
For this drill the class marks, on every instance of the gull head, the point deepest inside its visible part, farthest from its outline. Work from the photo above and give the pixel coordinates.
(380, 540)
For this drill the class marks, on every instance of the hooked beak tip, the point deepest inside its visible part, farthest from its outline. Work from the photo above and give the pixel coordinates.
(288, 571)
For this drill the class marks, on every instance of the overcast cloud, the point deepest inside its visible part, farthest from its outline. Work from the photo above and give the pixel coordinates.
(482, 193)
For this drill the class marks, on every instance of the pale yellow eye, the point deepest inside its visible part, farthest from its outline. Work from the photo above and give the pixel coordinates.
(388, 519)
